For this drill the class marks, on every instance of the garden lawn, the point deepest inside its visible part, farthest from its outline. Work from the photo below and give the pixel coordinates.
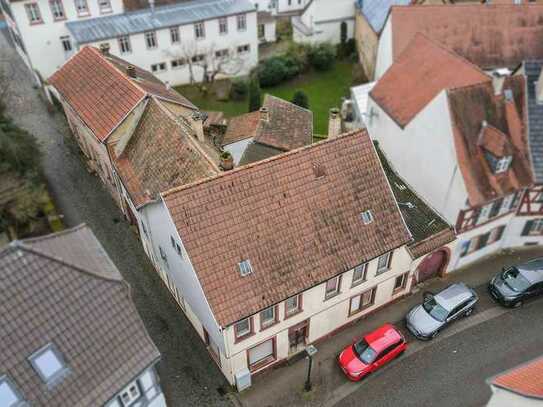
(324, 90)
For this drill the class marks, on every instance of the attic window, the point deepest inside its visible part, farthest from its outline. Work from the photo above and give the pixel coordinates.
(367, 217)
(49, 364)
(245, 268)
(9, 396)
(498, 165)
(319, 170)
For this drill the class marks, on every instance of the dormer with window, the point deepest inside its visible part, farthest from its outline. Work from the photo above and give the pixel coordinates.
(496, 148)
(49, 363)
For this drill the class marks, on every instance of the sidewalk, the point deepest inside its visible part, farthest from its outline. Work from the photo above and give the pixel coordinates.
(283, 386)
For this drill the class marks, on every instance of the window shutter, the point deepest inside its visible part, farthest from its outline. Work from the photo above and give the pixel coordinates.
(527, 228)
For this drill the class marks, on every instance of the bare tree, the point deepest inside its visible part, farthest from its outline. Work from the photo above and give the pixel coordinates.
(210, 59)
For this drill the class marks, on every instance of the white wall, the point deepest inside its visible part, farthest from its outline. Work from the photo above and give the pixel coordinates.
(269, 32)
(384, 50)
(424, 154)
(238, 148)
(505, 398)
(42, 41)
(264, 5)
(283, 6)
(324, 316)
(166, 51)
(325, 18)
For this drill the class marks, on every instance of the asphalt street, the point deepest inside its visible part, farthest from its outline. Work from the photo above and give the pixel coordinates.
(453, 371)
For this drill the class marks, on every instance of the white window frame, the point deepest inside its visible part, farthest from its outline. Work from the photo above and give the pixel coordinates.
(33, 12)
(66, 40)
(336, 289)
(199, 30)
(55, 376)
(179, 63)
(223, 25)
(380, 268)
(57, 10)
(367, 217)
(484, 213)
(242, 334)
(241, 21)
(359, 300)
(105, 6)
(363, 270)
(5, 380)
(264, 323)
(244, 49)
(174, 35)
(293, 311)
(222, 53)
(132, 397)
(403, 282)
(159, 67)
(151, 40)
(82, 11)
(124, 44)
(506, 203)
(245, 267)
(503, 164)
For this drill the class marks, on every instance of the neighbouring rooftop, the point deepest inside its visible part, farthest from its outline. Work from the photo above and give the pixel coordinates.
(376, 11)
(532, 70)
(148, 19)
(525, 380)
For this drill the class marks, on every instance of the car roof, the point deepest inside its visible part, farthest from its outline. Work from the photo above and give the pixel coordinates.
(453, 295)
(382, 337)
(532, 270)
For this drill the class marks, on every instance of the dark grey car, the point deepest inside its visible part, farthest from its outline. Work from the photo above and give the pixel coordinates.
(516, 284)
(437, 311)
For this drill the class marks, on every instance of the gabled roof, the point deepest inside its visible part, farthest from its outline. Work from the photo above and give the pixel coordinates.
(490, 36)
(421, 72)
(376, 11)
(471, 108)
(257, 152)
(98, 89)
(160, 155)
(532, 70)
(526, 380)
(241, 127)
(50, 295)
(297, 229)
(187, 12)
(289, 126)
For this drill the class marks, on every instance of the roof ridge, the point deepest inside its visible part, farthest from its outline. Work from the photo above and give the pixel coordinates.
(19, 244)
(268, 95)
(479, 5)
(55, 234)
(263, 162)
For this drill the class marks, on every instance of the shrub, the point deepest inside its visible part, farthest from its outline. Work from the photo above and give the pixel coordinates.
(292, 65)
(322, 57)
(254, 95)
(300, 99)
(284, 29)
(239, 89)
(299, 52)
(273, 71)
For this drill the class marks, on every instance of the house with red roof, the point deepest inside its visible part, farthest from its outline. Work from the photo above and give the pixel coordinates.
(458, 137)
(491, 36)
(521, 386)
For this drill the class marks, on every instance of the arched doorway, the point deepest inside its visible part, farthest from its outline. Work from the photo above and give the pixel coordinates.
(433, 265)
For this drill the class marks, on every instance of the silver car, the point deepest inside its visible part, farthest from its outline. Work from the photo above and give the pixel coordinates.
(437, 311)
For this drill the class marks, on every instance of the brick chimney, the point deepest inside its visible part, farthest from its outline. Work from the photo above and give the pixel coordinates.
(334, 123)
(131, 71)
(104, 48)
(264, 114)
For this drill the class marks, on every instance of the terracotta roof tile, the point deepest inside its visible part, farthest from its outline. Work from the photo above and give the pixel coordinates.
(241, 127)
(526, 380)
(296, 229)
(494, 141)
(159, 156)
(490, 36)
(469, 108)
(99, 91)
(87, 315)
(422, 71)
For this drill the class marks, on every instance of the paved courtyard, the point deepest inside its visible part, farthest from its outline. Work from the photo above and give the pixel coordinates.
(188, 374)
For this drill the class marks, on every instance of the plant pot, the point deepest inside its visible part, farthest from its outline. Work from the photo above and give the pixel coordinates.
(227, 163)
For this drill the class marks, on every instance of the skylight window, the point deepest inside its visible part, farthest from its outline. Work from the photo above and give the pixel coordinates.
(8, 395)
(49, 364)
(245, 268)
(367, 217)
(503, 164)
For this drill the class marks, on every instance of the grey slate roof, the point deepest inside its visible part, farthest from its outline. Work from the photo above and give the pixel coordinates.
(102, 28)
(86, 314)
(257, 152)
(376, 11)
(532, 70)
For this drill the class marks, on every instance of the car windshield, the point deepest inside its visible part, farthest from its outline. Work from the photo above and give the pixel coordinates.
(364, 352)
(515, 280)
(435, 310)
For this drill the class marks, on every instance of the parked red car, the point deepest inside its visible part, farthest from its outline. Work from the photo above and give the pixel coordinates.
(373, 351)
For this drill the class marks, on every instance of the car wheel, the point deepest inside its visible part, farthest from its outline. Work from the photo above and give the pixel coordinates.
(434, 335)
(517, 304)
(468, 312)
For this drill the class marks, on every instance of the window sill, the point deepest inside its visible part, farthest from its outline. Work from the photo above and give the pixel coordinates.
(379, 272)
(36, 22)
(357, 283)
(358, 311)
(242, 338)
(293, 313)
(56, 20)
(84, 15)
(262, 363)
(330, 296)
(105, 12)
(264, 327)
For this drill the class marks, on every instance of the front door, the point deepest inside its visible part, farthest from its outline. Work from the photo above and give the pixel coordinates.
(297, 336)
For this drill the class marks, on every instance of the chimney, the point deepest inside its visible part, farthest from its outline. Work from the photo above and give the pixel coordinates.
(334, 123)
(484, 123)
(131, 71)
(104, 48)
(264, 114)
(198, 126)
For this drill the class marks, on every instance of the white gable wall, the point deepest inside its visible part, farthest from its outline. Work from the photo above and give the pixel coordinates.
(424, 154)
(384, 50)
(238, 148)
(325, 18)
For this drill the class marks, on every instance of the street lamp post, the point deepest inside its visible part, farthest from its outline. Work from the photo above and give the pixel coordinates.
(311, 351)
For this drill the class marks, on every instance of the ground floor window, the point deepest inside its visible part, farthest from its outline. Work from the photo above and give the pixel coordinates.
(481, 241)
(362, 301)
(261, 354)
(533, 227)
(400, 282)
(160, 67)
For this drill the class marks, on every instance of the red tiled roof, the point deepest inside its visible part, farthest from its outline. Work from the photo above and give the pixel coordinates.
(490, 36)
(422, 71)
(241, 127)
(99, 91)
(296, 229)
(469, 108)
(526, 380)
(494, 141)
(159, 156)
(289, 126)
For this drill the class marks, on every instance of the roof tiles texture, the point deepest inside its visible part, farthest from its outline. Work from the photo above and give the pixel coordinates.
(490, 36)
(526, 380)
(241, 127)
(90, 318)
(422, 71)
(296, 229)
(159, 156)
(469, 108)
